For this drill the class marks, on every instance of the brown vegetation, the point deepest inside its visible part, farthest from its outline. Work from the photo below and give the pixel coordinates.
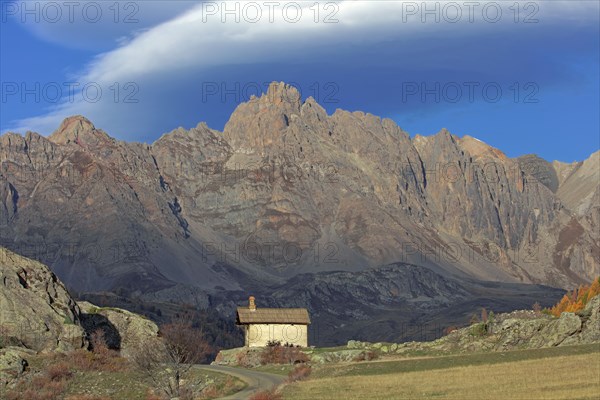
(275, 353)
(368, 355)
(230, 385)
(299, 373)
(266, 395)
(51, 381)
(59, 372)
(153, 396)
(242, 360)
(448, 330)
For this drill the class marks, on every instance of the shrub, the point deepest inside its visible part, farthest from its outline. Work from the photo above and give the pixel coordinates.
(185, 394)
(484, 315)
(150, 395)
(474, 319)
(479, 329)
(242, 360)
(266, 395)
(448, 330)
(40, 387)
(98, 342)
(482, 326)
(299, 373)
(98, 360)
(366, 356)
(59, 372)
(278, 354)
(229, 385)
(82, 360)
(210, 392)
(490, 322)
(51, 382)
(49, 393)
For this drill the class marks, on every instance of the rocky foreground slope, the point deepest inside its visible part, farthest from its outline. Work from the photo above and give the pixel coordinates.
(37, 314)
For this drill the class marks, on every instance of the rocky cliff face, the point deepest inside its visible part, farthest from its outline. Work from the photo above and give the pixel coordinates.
(96, 210)
(285, 190)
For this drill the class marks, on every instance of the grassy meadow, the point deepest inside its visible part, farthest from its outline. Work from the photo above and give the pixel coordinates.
(571, 372)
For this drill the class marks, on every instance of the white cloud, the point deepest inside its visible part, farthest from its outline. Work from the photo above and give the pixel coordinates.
(91, 24)
(199, 39)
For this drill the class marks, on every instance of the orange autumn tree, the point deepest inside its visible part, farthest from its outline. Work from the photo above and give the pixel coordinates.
(577, 299)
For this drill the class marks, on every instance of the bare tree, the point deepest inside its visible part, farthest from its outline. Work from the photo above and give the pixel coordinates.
(167, 359)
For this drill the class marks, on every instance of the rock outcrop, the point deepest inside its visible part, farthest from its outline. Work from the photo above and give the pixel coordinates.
(509, 331)
(37, 312)
(541, 170)
(122, 330)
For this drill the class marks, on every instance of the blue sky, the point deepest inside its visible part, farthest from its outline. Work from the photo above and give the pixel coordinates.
(525, 82)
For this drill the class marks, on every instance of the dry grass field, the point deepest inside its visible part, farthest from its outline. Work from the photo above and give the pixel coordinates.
(556, 377)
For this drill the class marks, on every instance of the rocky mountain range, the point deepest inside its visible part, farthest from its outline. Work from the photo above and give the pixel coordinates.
(288, 195)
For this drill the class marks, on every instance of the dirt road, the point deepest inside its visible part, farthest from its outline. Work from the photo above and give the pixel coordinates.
(255, 380)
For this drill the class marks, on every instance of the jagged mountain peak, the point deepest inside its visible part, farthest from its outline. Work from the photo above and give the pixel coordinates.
(201, 129)
(80, 131)
(258, 124)
(281, 92)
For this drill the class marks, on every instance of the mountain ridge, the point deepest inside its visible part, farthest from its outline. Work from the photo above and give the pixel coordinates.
(344, 191)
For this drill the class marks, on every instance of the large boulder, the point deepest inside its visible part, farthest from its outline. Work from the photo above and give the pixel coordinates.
(591, 327)
(37, 312)
(514, 332)
(557, 331)
(590, 324)
(122, 330)
(240, 356)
